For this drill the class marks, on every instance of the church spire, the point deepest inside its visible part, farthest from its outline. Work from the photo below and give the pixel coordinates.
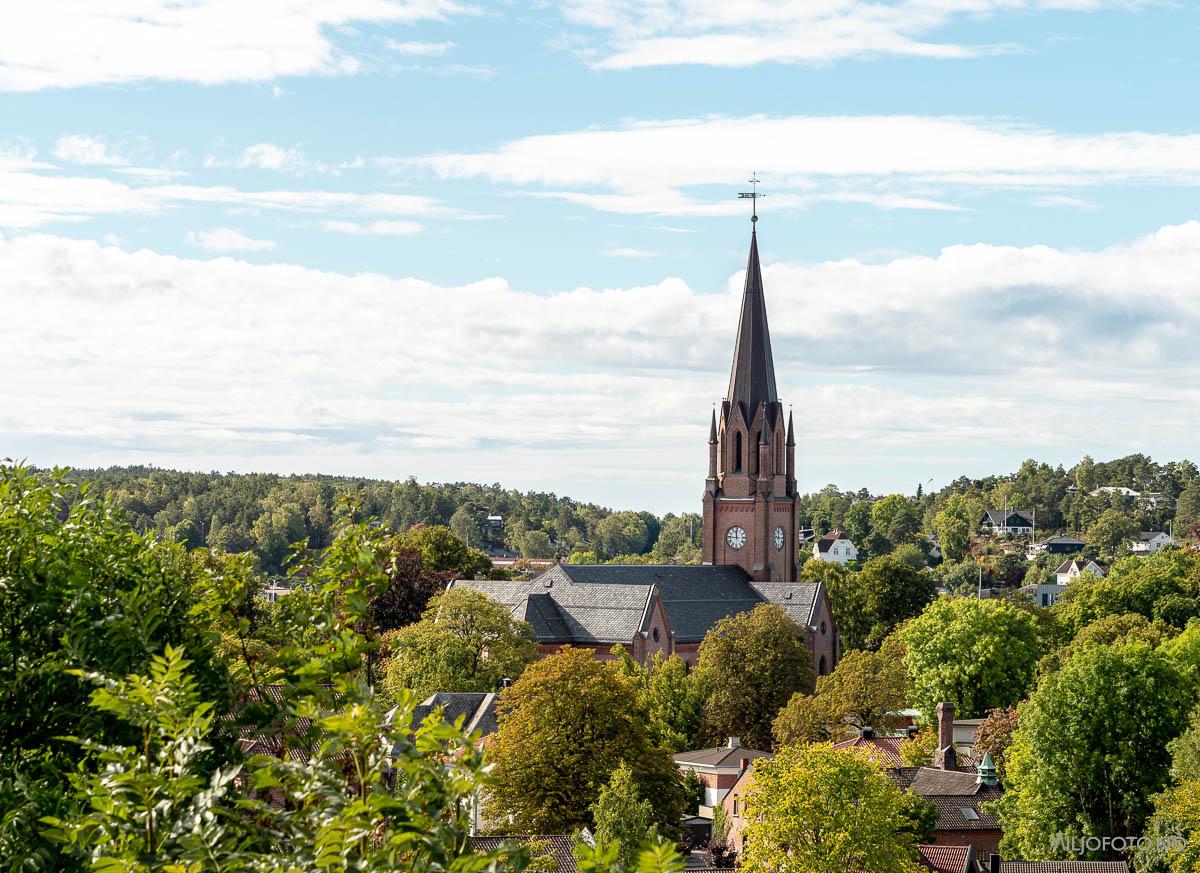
(712, 430)
(752, 379)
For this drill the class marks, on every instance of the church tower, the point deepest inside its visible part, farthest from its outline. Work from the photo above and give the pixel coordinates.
(750, 494)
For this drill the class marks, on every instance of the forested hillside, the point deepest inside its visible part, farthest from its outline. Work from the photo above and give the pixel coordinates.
(266, 513)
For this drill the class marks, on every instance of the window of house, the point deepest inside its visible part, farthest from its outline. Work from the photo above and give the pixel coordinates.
(737, 452)
(822, 668)
(654, 634)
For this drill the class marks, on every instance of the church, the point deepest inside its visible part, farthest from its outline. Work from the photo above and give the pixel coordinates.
(750, 532)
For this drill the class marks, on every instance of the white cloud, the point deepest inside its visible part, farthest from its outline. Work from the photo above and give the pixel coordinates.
(420, 49)
(373, 228)
(627, 252)
(1063, 201)
(78, 148)
(226, 239)
(978, 355)
(892, 162)
(205, 41)
(32, 195)
(741, 33)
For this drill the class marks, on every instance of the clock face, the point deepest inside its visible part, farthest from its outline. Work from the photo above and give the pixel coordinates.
(736, 537)
(778, 538)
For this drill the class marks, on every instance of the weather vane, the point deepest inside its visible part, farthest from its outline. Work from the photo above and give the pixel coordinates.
(752, 195)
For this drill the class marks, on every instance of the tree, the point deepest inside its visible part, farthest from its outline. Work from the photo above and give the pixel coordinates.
(78, 592)
(995, 736)
(623, 533)
(1187, 509)
(1165, 585)
(862, 691)
(465, 641)
(464, 524)
(751, 664)
(410, 586)
(857, 524)
(1175, 825)
(1091, 748)
(976, 654)
(671, 697)
(953, 525)
(536, 544)
(814, 809)
(869, 604)
(565, 726)
(677, 541)
(443, 552)
(1111, 532)
(623, 819)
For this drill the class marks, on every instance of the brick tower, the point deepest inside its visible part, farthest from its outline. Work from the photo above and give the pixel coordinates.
(750, 494)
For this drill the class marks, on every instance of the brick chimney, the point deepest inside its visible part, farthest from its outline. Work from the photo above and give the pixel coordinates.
(735, 743)
(945, 758)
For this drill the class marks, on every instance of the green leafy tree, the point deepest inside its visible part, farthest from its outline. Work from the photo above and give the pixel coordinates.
(465, 642)
(1187, 509)
(77, 592)
(465, 524)
(443, 552)
(1165, 585)
(1090, 750)
(751, 664)
(623, 818)
(623, 533)
(1111, 532)
(565, 726)
(862, 691)
(976, 654)
(670, 696)
(953, 525)
(814, 809)
(536, 544)
(872, 602)
(857, 524)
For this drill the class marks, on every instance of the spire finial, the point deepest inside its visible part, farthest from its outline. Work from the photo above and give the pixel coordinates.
(752, 195)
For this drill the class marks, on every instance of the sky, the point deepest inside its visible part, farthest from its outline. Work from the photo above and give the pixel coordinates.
(501, 242)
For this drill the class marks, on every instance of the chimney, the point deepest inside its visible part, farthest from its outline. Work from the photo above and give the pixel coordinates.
(735, 743)
(867, 733)
(946, 758)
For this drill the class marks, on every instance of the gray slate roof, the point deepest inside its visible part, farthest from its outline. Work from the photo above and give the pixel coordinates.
(720, 756)
(476, 709)
(559, 846)
(610, 603)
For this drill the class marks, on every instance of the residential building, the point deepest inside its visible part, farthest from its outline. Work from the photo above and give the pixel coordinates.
(1147, 542)
(274, 591)
(1011, 521)
(885, 749)
(1063, 544)
(1043, 594)
(556, 848)
(750, 527)
(948, 859)
(834, 547)
(718, 768)
(1073, 567)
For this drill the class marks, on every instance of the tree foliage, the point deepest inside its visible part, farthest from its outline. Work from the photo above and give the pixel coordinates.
(751, 664)
(464, 642)
(1090, 749)
(623, 817)
(814, 809)
(565, 726)
(976, 654)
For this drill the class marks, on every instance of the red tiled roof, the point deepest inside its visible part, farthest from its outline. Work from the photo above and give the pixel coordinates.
(886, 750)
(945, 859)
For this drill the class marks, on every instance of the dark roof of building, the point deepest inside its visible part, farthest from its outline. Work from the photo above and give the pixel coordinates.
(752, 377)
(1064, 867)
(1144, 536)
(948, 859)
(721, 756)
(1000, 518)
(476, 709)
(610, 603)
(956, 794)
(559, 846)
(1064, 540)
(827, 541)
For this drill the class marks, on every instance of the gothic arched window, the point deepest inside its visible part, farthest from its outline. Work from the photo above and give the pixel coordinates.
(737, 452)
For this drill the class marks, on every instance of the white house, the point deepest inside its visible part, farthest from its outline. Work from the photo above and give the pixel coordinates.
(1071, 569)
(1044, 594)
(835, 547)
(1148, 542)
(274, 591)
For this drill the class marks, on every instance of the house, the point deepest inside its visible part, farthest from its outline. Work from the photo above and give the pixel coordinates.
(1071, 568)
(478, 711)
(1010, 521)
(1114, 491)
(1146, 499)
(885, 750)
(1043, 594)
(650, 608)
(834, 547)
(718, 768)
(1147, 542)
(272, 592)
(1063, 544)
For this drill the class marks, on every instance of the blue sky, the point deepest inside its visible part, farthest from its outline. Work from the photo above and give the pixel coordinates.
(501, 242)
